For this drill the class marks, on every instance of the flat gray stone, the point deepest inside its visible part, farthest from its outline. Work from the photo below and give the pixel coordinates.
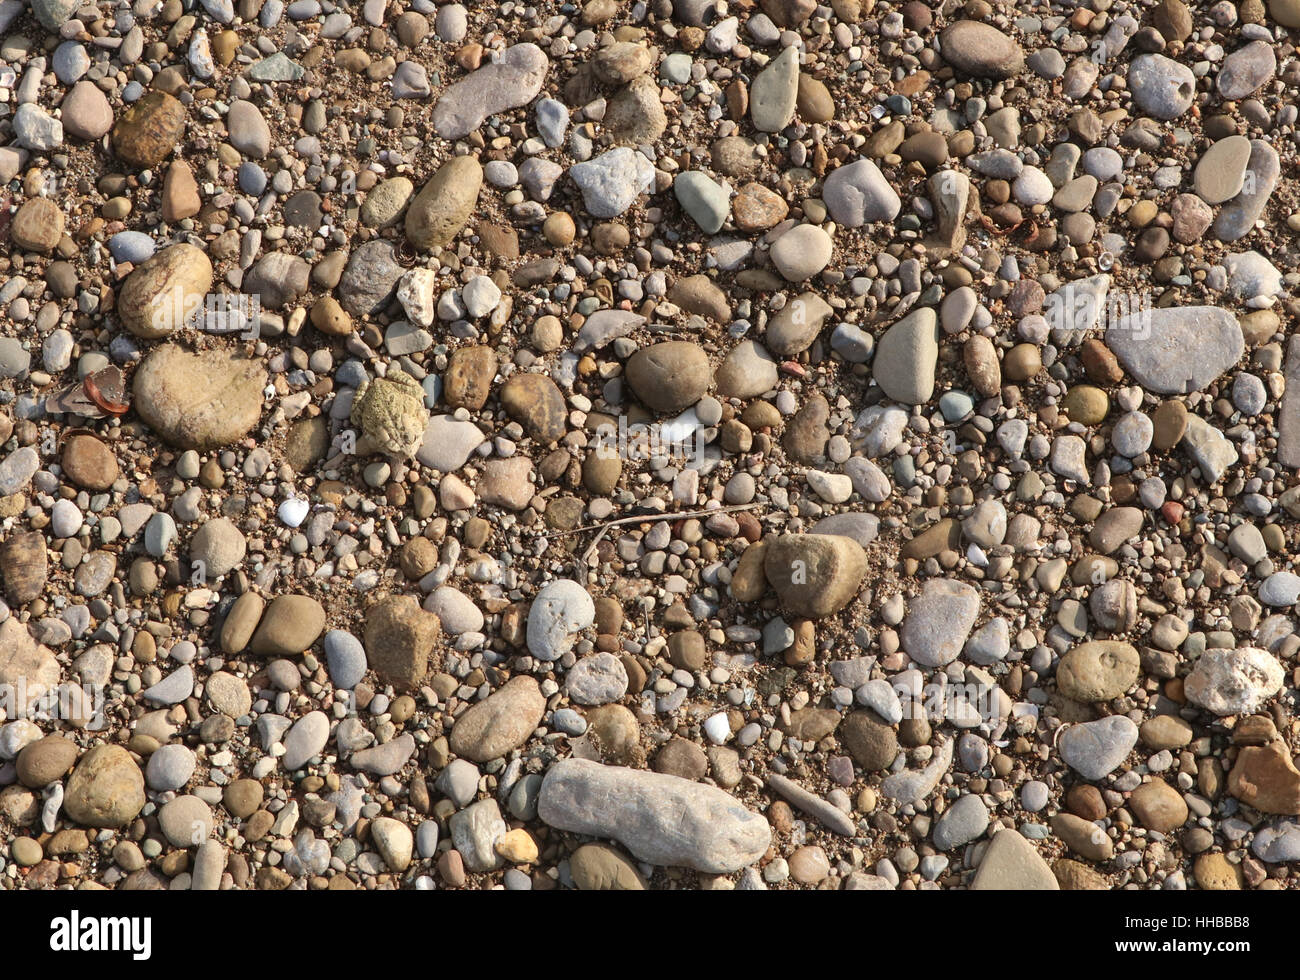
(1161, 87)
(305, 739)
(906, 356)
(1209, 448)
(1237, 218)
(1075, 309)
(1246, 69)
(611, 182)
(858, 193)
(605, 326)
(447, 443)
(1011, 863)
(1176, 350)
(559, 610)
(774, 92)
(1094, 749)
(704, 199)
(495, 87)
(964, 821)
(938, 622)
(386, 759)
(474, 832)
(174, 688)
(597, 679)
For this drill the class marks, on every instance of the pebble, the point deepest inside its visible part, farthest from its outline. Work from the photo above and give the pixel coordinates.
(305, 740)
(1011, 862)
(1162, 88)
(858, 193)
(1245, 70)
(904, 364)
(106, 788)
(939, 621)
(85, 112)
(170, 768)
(965, 821)
(814, 575)
(1233, 682)
(442, 207)
(802, 252)
(981, 50)
(612, 181)
(774, 93)
(704, 199)
(1098, 671)
(500, 723)
(1095, 749)
(1221, 171)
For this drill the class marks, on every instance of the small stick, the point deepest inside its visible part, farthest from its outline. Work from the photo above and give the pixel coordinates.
(641, 518)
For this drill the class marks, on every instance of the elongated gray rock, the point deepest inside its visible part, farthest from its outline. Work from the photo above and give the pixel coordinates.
(305, 739)
(1209, 448)
(506, 84)
(1177, 350)
(812, 804)
(914, 785)
(1288, 441)
(906, 357)
(605, 326)
(1238, 216)
(772, 98)
(1246, 69)
(499, 723)
(662, 819)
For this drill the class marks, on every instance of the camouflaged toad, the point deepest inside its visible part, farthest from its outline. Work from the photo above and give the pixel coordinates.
(390, 412)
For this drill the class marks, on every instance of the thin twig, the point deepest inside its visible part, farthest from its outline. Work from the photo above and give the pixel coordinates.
(651, 518)
(640, 519)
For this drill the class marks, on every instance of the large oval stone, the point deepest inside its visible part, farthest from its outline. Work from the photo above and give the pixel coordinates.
(815, 575)
(501, 722)
(106, 789)
(445, 203)
(671, 376)
(199, 401)
(1098, 671)
(147, 133)
(165, 291)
